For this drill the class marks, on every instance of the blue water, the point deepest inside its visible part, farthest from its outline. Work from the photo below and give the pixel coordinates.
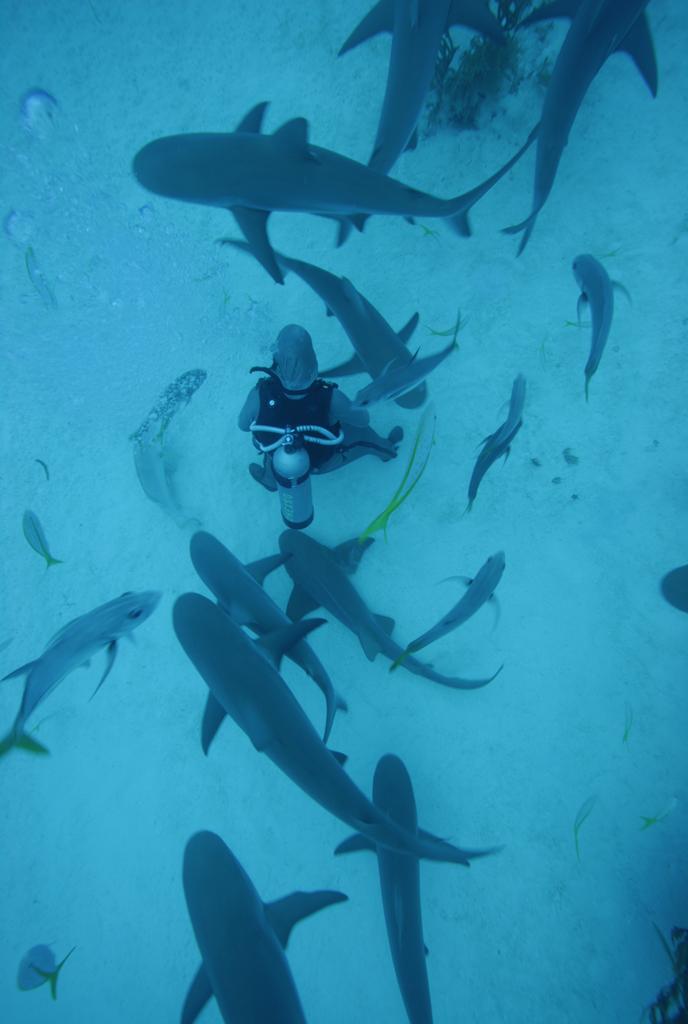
(108, 294)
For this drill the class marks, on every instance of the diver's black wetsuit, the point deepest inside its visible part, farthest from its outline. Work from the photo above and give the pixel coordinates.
(311, 408)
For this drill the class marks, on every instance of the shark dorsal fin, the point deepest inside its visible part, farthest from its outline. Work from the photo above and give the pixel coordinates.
(407, 330)
(285, 913)
(264, 566)
(253, 121)
(276, 643)
(293, 136)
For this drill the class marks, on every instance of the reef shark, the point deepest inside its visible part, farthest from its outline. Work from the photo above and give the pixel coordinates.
(321, 579)
(243, 676)
(417, 27)
(252, 174)
(241, 939)
(71, 647)
(238, 590)
(400, 888)
(598, 29)
(375, 343)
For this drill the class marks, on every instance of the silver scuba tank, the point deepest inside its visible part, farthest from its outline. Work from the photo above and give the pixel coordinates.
(291, 467)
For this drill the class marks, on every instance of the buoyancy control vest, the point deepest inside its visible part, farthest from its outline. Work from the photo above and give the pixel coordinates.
(312, 406)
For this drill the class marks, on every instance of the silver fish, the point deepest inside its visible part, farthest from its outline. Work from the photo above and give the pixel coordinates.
(35, 536)
(597, 289)
(499, 443)
(480, 590)
(398, 378)
(72, 646)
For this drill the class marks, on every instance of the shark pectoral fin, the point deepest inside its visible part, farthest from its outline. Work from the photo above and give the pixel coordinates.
(213, 717)
(199, 994)
(583, 301)
(339, 757)
(370, 644)
(618, 287)
(353, 365)
(285, 913)
(475, 16)
(276, 643)
(637, 43)
(300, 603)
(426, 950)
(111, 655)
(348, 554)
(293, 137)
(379, 19)
(22, 670)
(264, 566)
(253, 121)
(407, 330)
(253, 224)
(386, 623)
(355, 843)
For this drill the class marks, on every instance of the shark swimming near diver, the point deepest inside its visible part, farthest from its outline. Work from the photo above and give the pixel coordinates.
(238, 590)
(243, 676)
(252, 174)
(417, 27)
(400, 888)
(598, 29)
(242, 940)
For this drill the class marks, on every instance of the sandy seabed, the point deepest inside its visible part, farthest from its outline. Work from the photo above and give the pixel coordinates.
(92, 838)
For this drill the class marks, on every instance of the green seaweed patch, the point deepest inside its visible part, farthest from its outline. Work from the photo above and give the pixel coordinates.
(464, 80)
(418, 460)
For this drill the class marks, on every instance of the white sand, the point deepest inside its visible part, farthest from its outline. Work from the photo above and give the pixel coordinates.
(91, 839)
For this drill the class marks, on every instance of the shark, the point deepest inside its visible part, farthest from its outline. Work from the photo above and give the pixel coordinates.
(499, 443)
(400, 888)
(252, 174)
(71, 647)
(417, 27)
(242, 940)
(243, 676)
(238, 589)
(321, 579)
(376, 344)
(598, 29)
(480, 590)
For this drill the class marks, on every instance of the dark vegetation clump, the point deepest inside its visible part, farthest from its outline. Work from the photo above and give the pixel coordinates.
(671, 1004)
(466, 79)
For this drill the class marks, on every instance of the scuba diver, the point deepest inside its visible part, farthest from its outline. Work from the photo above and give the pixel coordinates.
(302, 424)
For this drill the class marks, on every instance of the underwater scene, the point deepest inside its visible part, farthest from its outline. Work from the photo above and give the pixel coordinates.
(343, 472)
